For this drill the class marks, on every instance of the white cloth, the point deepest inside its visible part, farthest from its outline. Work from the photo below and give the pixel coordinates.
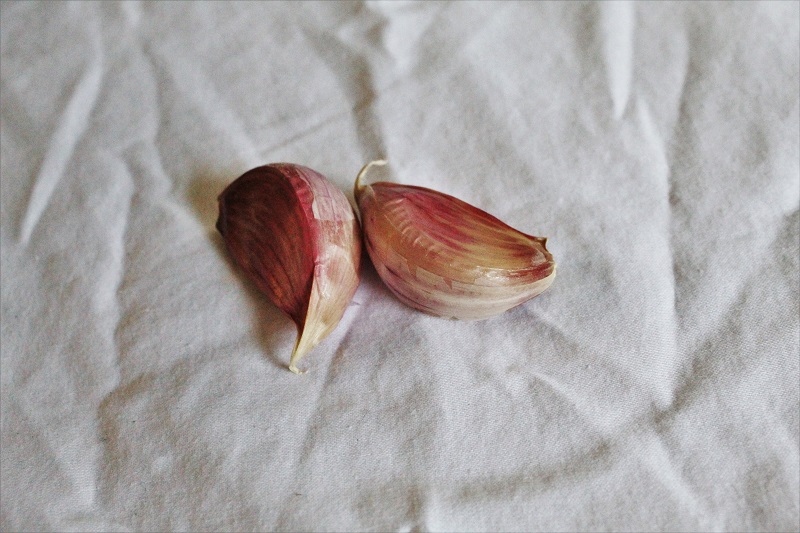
(653, 387)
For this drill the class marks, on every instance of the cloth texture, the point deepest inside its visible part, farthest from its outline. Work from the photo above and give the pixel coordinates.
(655, 386)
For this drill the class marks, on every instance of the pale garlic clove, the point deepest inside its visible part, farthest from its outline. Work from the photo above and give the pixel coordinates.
(295, 235)
(445, 257)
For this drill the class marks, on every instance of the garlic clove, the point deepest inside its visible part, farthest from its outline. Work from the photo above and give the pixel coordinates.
(295, 235)
(445, 257)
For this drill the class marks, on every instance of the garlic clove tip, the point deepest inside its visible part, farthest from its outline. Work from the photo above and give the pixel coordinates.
(296, 370)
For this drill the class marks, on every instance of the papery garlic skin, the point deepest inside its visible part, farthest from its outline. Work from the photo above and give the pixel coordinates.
(295, 235)
(445, 257)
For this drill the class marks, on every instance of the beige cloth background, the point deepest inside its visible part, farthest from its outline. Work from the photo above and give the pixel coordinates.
(654, 387)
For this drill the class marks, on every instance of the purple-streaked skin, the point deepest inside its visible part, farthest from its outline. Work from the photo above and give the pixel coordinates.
(294, 234)
(445, 257)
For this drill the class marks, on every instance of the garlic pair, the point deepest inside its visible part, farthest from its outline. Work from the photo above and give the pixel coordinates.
(296, 236)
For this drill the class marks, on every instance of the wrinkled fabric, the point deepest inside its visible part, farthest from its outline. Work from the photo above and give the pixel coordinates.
(654, 386)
